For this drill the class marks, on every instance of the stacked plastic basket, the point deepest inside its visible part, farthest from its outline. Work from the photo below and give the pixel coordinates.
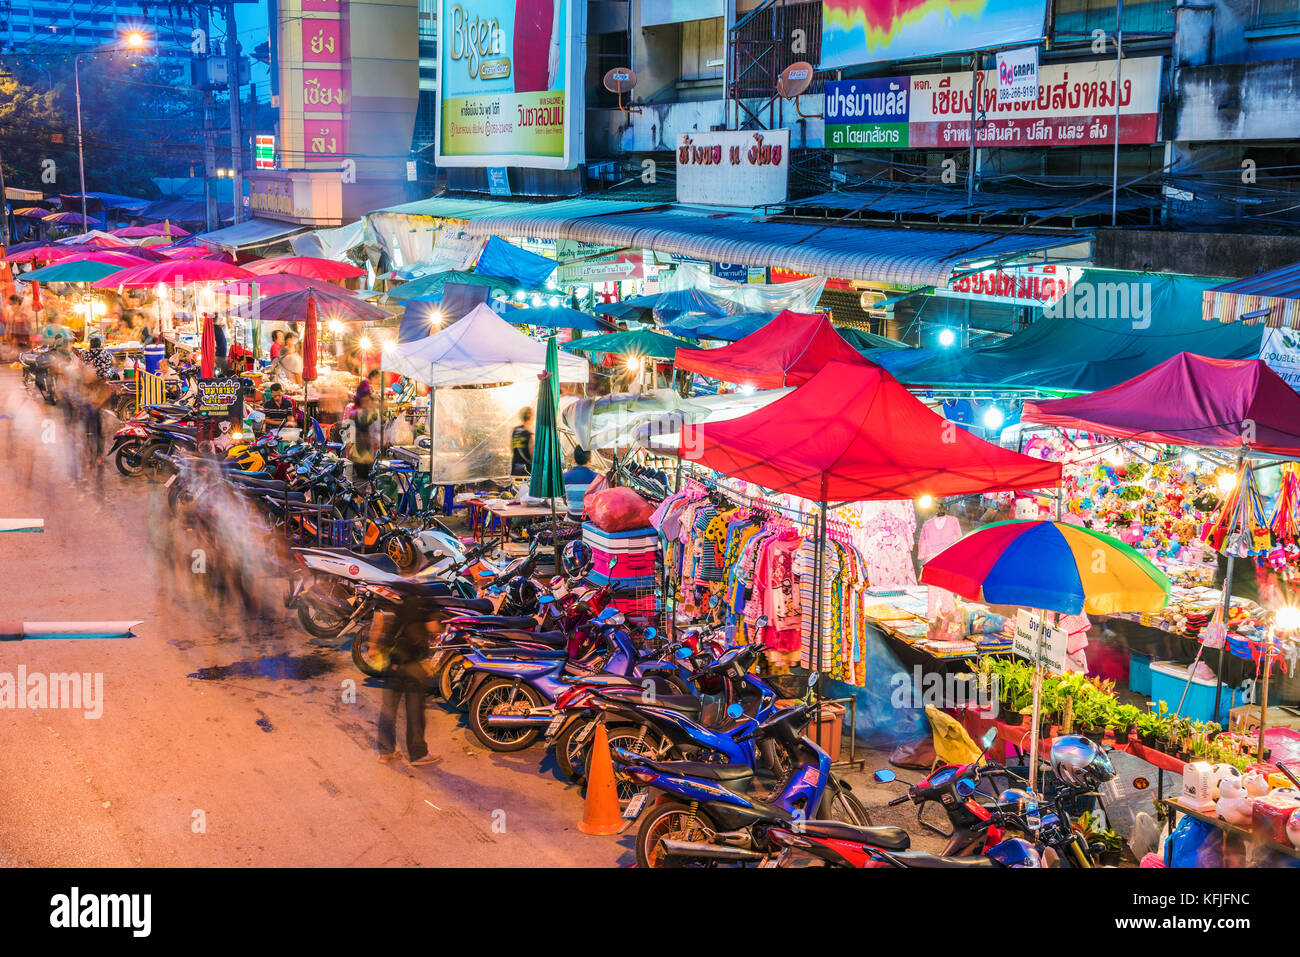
(628, 562)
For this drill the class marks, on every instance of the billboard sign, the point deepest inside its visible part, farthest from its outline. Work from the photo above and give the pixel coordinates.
(1017, 75)
(1033, 285)
(733, 167)
(1074, 105)
(867, 114)
(582, 262)
(510, 78)
(872, 31)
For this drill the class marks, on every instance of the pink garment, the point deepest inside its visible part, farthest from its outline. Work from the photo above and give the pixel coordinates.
(1076, 630)
(936, 535)
(778, 588)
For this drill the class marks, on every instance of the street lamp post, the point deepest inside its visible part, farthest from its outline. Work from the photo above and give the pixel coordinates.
(133, 40)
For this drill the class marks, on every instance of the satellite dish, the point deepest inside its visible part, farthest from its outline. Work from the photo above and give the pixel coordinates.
(620, 80)
(794, 79)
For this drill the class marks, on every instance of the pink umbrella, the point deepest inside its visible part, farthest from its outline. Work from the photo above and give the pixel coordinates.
(112, 257)
(275, 284)
(309, 341)
(157, 229)
(311, 266)
(294, 306)
(208, 352)
(198, 251)
(173, 271)
(47, 253)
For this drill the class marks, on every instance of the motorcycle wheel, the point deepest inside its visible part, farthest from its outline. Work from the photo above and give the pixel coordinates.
(128, 459)
(638, 740)
(841, 804)
(675, 684)
(571, 757)
(677, 821)
(369, 658)
(154, 469)
(319, 622)
(449, 681)
(494, 696)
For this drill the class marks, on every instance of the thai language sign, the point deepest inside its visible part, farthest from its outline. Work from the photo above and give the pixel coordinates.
(870, 31)
(733, 167)
(507, 86)
(1015, 285)
(1074, 105)
(590, 262)
(865, 114)
(220, 399)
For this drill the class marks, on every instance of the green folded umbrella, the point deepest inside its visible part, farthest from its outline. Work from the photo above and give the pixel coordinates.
(547, 478)
(640, 342)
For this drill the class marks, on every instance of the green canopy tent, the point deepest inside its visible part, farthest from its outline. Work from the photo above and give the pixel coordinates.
(639, 342)
(434, 284)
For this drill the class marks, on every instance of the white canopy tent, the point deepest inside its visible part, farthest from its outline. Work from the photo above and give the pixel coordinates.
(480, 349)
(470, 428)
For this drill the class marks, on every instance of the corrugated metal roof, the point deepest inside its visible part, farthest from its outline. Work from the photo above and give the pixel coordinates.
(250, 233)
(900, 255)
(1283, 283)
(945, 201)
(452, 207)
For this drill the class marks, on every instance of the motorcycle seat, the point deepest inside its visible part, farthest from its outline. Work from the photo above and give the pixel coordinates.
(681, 703)
(729, 774)
(922, 859)
(174, 428)
(513, 651)
(555, 639)
(885, 836)
(483, 605)
(504, 622)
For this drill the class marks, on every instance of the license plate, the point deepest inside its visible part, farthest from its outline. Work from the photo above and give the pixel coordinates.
(438, 658)
(635, 806)
(554, 726)
(586, 732)
(168, 483)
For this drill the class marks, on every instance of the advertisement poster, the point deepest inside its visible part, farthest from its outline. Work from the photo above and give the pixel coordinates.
(1074, 105)
(591, 262)
(508, 94)
(866, 114)
(869, 31)
(221, 399)
(1281, 353)
(733, 167)
(1017, 75)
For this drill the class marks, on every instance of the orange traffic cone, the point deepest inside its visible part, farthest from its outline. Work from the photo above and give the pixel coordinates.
(601, 814)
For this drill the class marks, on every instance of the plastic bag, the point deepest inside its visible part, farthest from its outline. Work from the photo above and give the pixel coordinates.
(1194, 843)
(618, 510)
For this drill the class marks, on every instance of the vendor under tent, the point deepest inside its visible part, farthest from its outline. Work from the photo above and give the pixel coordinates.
(640, 342)
(789, 350)
(557, 317)
(308, 266)
(433, 285)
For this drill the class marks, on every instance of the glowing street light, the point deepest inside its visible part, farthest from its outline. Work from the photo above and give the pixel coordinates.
(947, 337)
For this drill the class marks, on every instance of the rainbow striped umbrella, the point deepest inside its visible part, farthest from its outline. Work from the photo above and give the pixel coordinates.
(1049, 565)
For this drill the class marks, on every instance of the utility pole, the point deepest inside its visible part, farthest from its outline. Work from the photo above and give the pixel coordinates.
(236, 126)
(213, 217)
(4, 205)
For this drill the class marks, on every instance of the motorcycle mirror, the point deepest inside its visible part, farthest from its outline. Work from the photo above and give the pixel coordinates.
(990, 736)
(613, 562)
(965, 788)
(484, 573)
(735, 711)
(651, 632)
(812, 679)
(545, 599)
(683, 653)
(884, 776)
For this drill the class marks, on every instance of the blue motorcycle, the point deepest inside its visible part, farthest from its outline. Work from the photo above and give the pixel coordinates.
(511, 690)
(706, 814)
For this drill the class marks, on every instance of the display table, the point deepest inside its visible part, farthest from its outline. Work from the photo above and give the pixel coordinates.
(1176, 807)
(1190, 609)
(483, 511)
(901, 614)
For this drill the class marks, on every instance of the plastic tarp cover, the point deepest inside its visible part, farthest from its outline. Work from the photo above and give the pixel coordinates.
(624, 419)
(329, 243)
(801, 295)
(500, 258)
(1188, 400)
(1075, 353)
(725, 328)
(854, 433)
(471, 433)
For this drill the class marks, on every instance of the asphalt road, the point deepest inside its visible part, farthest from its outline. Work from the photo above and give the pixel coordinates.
(225, 742)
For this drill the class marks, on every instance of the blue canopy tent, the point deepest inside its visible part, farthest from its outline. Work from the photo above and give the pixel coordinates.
(865, 341)
(508, 261)
(557, 317)
(726, 328)
(1076, 353)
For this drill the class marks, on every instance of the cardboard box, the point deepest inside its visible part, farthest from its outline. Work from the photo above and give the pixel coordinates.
(1246, 718)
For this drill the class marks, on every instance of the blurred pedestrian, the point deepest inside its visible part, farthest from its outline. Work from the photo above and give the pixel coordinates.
(405, 684)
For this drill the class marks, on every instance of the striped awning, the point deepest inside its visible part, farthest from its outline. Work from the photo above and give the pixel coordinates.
(896, 254)
(1271, 297)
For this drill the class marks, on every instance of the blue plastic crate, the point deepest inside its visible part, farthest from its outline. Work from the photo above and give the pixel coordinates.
(1139, 673)
(1167, 682)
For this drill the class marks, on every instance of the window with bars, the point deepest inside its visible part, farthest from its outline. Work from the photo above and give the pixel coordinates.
(1277, 13)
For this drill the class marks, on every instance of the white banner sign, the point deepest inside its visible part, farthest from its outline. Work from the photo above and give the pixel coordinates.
(1018, 75)
(1280, 351)
(733, 167)
(1038, 641)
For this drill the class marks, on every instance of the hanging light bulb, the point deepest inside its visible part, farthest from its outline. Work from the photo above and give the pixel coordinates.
(1226, 482)
(947, 337)
(553, 302)
(364, 343)
(634, 363)
(925, 501)
(435, 318)
(336, 327)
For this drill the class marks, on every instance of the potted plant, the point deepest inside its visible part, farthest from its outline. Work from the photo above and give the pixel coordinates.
(1148, 726)
(1105, 842)
(1125, 720)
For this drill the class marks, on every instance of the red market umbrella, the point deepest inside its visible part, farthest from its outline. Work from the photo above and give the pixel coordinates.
(278, 283)
(172, 271)
(208, 352)
(44, 253)
(309, 341)
(311, 266)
